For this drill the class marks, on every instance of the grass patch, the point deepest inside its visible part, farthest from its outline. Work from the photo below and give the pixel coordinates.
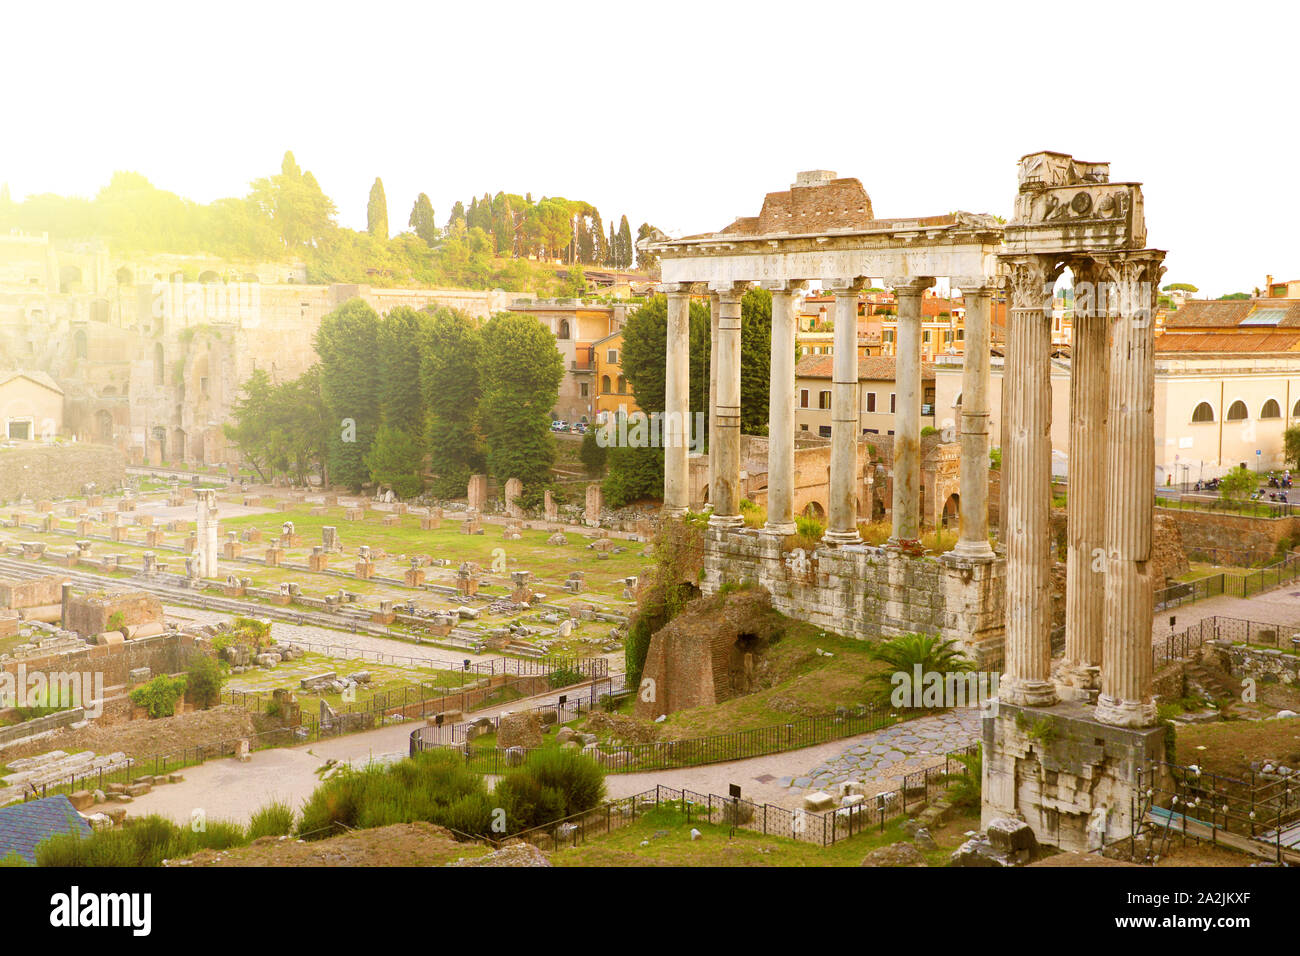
(1229, 747)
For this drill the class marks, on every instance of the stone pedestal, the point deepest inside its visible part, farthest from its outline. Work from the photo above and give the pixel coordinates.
(391, 520)
(414, 578)
(232, 550)
(353, 514)
(1073, 779)
(318, 562)
(274, 556)
(154, 538)
(365, 570)
(117, 533)
(430, 523)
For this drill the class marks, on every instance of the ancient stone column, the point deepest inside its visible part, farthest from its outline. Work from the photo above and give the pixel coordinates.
(781, 402)
(907, 411)
(677, 401)
(1085, 581)
(713, 388)
(1133, 279)
(973, 534)
(1026, 483)
(725, 492)
(842, 517)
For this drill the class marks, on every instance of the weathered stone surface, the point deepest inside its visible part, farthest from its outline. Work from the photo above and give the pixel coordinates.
(519, 730)
(896, 854)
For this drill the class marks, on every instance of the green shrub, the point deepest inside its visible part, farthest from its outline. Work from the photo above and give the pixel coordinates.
(593, 454)
(552, 784)
(903, 655)
(274, 819)
(964, 788)
(159, 696)
(565, 677)
(203, 681)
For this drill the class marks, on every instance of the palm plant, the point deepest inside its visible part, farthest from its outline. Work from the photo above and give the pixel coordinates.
(908, 658)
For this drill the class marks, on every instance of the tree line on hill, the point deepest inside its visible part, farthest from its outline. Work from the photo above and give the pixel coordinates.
(506, 241)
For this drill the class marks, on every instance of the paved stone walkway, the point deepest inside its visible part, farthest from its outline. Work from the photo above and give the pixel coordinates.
(886, 755)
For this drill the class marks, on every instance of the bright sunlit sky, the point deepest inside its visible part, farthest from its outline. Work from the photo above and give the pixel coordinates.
(680, 114)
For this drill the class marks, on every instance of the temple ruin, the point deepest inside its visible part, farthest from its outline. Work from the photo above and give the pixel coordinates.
(1062, 750)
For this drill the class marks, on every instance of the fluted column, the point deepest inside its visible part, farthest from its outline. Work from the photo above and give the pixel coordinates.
(1133, 279)
(781, 395)
(1085, 580)
(713, 388)
(906, 524)
(973, 534)
(726, 477)
(677, 385)
(842, 517)
(1026, 483)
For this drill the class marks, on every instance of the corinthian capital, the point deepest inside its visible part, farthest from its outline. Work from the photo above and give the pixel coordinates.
(1032, 281)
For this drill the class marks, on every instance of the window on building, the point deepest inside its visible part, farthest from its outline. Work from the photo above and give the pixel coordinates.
(583, 389)
(803, 398)
(1236, 412)
(1271, 409)
(893, 404)
(871, 401)
(622, 385)
(564, 329)
(604, 385)
(824, 431)
(611, 356)
(803, 428)
(925, 336)
(824, 400)
(1204, 413)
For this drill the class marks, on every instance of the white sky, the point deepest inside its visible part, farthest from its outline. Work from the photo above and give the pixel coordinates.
(682, 114)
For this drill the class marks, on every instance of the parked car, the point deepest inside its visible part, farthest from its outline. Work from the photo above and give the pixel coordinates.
(579, 428)
(559, 426)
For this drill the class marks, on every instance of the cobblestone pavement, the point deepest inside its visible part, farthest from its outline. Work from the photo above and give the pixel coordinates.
(886, 755)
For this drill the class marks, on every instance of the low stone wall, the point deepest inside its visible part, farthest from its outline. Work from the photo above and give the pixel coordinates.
(1204, 530)
(1262, 663)
(90, 614)
(57, 471)
(31, 592)
(868, 592)
(40, 725)
(162, 654)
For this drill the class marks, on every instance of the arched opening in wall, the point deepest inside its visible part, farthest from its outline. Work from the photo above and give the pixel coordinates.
(79, 347)
(814, 509)
(1236, 412)
(951, 510)
(160, 436)
(1205, 413)
(741, 659)
(178, 444)
(564, 329)
(706, 494)
(208, 276)
(622, 385)
(104, 425)
(957, 401)
(1271, 409)
(158, 371)
(125, 277)
(604, 385)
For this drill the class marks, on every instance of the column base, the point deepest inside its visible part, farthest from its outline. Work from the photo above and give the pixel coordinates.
(780, 527)
(973, 551)
(1126, 713)
(1027, 693)
(726, 522)
(1078, 682)
(672, 512)
(838, 539)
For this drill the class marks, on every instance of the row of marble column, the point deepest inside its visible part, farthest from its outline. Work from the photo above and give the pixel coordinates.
(845, 484)
(1109, 591)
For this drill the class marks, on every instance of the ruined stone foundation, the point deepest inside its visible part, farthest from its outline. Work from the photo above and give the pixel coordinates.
(1072, 779)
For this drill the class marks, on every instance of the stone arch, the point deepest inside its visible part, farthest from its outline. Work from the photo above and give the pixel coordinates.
(814, 509)
(1204, 412)
(80, 347)
(604, 385)
(951, 510)
(564, 329)
(1271, 409)
(178, 444)
(1237, 412)
(125, 276)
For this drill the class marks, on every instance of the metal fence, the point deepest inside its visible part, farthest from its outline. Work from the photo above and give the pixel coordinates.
(689, 752)
(1184, 644)
(824, 828)
(1233, 585)
(1258, 508)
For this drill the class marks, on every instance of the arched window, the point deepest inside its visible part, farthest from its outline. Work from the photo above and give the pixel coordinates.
(604, 385)
(957, 402)
(1271, 409)
(1295, 412)
(622, 385)
(564, 329)
(1236, 412)
(1203, 413)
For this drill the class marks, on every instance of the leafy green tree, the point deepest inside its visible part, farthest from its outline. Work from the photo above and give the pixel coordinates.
(396, 459)
(625, 250)
(449, 382)
(1238, 485)
(377, 211)
(907, 659)
(1181, 287)
(646, 260)
(520, 370)
(1234, 296)
(203, 681)
(347, 342)
(422, 219)
(593, 453)
(159, 696)
(1291, 445)
(457, 215)
(250, 423)
(755, 361)
(403, 336)
(295, 204)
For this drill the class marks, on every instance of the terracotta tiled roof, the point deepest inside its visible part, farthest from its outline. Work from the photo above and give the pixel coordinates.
(1211, 341)
(871, 368)
(1221, 314)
